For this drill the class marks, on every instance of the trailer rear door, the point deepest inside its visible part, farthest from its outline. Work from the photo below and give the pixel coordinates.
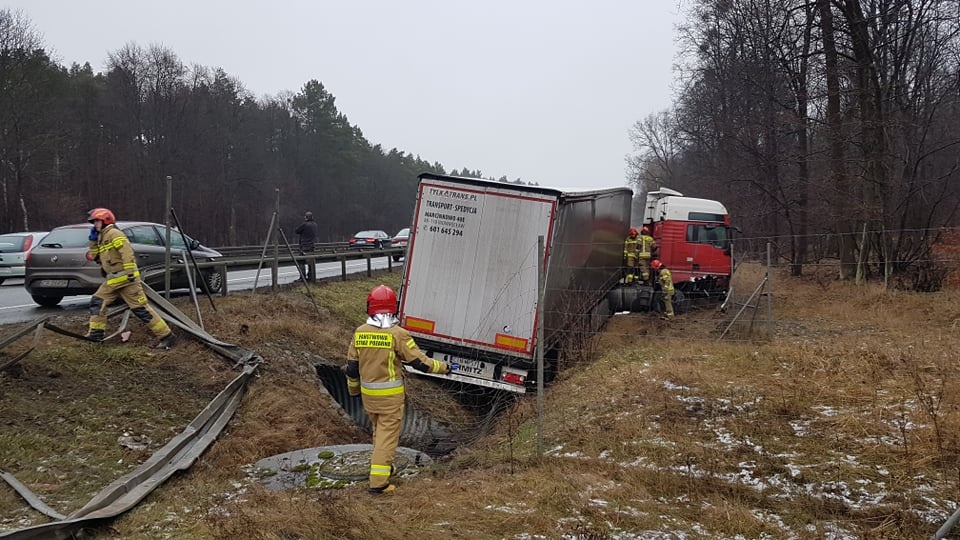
(471, 274)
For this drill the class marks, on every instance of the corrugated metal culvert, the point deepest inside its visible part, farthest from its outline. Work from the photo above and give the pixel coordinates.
(420, 430)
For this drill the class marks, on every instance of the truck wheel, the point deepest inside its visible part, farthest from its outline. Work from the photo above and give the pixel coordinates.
(46, 301)
(615, 299)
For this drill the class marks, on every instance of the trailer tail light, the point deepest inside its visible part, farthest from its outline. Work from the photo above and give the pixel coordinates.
(513, 376)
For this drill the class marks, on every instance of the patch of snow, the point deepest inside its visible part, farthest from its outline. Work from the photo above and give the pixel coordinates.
(510, 508)
(670, 386)
(826, 410)
(800, 427)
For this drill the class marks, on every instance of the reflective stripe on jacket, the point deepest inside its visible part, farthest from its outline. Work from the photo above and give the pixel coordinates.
(381, 353)
(116, 255)
(630, 246)
(647, 245)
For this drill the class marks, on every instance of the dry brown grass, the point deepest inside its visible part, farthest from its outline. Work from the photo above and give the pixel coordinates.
(844, 422)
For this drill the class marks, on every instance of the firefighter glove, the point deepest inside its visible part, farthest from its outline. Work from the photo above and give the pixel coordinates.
(451, 367)
(131, 277)
(94, 234)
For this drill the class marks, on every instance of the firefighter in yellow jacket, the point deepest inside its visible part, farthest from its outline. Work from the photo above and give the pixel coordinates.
(111, 248)
(630, 256)
(375, 372)
(666, 286)
(645, 248)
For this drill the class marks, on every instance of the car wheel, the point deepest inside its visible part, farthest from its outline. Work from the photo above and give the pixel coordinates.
(46, 301)
(214, 281)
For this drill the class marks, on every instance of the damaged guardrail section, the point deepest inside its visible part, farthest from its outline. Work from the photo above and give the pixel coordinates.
(177, 455)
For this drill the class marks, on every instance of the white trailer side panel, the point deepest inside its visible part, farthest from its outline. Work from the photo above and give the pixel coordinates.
(472, 265)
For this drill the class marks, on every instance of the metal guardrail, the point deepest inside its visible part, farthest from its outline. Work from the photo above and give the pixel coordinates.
(246, 261)
(255, 251)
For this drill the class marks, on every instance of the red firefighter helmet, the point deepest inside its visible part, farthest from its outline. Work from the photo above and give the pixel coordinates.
(633, 232)
(103, 214)
(656, 264)
(381, 299)
(645, 230)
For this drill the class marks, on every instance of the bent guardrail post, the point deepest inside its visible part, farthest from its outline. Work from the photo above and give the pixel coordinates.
(193, 261)
(193, 291)
(947, 526)
(263, 254)
(303, 276)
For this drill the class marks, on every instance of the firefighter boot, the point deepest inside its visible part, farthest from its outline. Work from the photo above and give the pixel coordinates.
(383, 490)
(94, 335)
(166, 342)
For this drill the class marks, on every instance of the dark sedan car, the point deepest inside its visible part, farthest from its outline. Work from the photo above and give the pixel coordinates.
(370, 240)
(59, 267)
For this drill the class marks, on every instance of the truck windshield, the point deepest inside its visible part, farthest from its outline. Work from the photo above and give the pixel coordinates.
(707, 234)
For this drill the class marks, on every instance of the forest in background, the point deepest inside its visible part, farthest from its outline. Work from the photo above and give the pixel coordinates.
(72, 139)
(828, 127)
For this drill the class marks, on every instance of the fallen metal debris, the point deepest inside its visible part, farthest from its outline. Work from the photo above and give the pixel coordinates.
(178, 454)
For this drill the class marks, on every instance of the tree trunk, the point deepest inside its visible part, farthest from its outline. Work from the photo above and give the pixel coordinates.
(841, 197)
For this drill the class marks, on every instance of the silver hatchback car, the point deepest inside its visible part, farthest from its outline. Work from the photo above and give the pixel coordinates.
(59, 267)
(14, 248)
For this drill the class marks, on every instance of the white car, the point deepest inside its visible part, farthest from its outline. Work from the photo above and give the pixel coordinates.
(14, 249)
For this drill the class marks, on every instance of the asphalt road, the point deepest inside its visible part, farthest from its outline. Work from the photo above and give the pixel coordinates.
(17, 306)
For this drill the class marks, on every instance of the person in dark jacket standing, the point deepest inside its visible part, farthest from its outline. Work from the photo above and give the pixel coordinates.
(308, 238)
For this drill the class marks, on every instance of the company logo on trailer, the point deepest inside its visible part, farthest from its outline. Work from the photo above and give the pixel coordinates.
(452, 194)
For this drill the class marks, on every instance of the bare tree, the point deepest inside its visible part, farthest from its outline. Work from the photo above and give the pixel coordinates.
(26, 90)
(657, 145)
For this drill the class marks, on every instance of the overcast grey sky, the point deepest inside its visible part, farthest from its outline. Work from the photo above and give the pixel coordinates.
(542, 90)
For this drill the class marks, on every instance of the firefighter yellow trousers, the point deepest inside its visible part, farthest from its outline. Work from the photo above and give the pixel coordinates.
(386, 436)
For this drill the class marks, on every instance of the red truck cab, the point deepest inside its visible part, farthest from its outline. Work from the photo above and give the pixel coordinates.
(692, 238)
